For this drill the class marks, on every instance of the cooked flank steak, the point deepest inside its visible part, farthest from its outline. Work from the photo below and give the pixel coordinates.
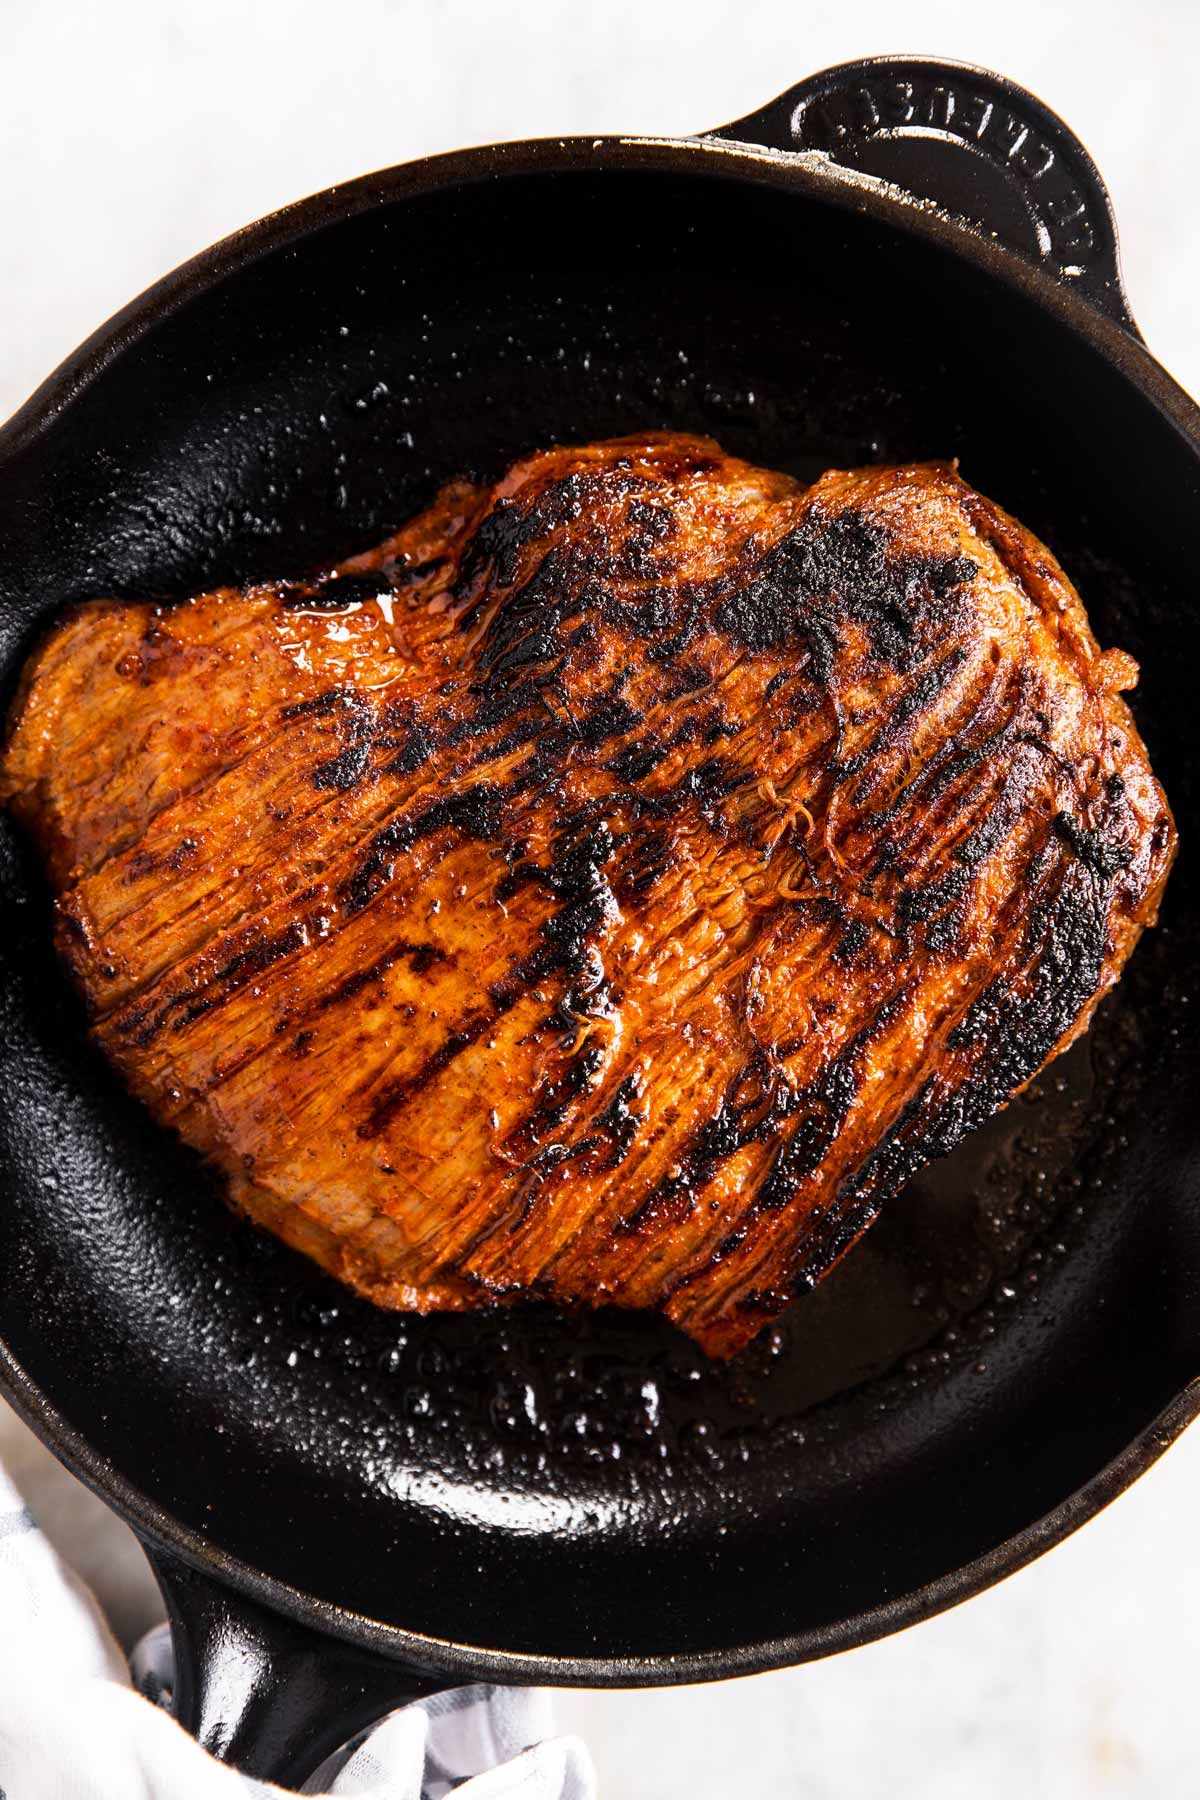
(609, 890)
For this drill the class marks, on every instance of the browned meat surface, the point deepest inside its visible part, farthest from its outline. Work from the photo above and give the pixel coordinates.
(613, 887)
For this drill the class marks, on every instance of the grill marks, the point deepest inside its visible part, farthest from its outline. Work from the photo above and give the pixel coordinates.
(624, 880)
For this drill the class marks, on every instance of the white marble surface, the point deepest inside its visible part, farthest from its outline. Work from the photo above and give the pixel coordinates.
(133, 134)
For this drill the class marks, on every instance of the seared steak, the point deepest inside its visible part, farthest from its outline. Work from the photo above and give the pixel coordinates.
(612, 888)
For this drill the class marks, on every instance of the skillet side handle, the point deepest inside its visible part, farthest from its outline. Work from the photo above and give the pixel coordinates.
(975, 144)
(263, 1693)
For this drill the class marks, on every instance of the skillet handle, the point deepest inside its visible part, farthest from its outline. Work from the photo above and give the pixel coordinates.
(272, 1697)
(975, 144)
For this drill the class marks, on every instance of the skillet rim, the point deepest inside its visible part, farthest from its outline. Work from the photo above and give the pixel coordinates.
(813, 175)
(160, 1531)
(809, 172)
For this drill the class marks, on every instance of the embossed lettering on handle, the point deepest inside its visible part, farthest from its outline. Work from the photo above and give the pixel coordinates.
(973, 143)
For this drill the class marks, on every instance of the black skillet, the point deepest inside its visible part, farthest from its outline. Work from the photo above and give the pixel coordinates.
(347, 1507)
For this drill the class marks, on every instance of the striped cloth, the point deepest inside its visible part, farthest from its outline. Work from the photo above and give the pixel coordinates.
(73, 1725)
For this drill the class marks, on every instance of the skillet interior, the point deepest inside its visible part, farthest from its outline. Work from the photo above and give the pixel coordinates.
(593, 1488)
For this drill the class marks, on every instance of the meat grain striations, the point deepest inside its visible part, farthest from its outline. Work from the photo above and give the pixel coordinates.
(612, 888)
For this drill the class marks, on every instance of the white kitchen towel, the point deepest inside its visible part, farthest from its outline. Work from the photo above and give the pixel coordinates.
(74, 1727)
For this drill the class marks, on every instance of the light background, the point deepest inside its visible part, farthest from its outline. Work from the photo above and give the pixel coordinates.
(131, 135)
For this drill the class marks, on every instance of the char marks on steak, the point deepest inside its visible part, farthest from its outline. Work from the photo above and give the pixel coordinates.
(610, 889)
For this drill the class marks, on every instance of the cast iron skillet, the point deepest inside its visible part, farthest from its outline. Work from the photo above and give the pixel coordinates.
(346, 1507)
